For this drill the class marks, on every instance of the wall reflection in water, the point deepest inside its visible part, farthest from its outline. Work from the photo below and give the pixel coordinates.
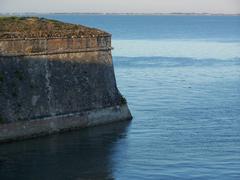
(84, 154)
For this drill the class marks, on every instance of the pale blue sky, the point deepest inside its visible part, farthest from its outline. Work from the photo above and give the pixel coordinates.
(118, 6)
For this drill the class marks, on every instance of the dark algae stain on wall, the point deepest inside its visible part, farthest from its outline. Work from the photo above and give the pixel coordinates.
(52, 70)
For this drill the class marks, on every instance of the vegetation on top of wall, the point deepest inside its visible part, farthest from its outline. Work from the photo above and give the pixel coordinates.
(35, 27)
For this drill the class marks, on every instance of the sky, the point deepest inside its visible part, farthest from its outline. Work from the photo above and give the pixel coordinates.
(121, 6)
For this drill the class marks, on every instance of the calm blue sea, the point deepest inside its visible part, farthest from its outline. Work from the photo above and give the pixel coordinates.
(181, 77)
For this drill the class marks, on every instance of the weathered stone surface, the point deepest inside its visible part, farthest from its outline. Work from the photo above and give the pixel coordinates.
(50, 78)
(24, 47)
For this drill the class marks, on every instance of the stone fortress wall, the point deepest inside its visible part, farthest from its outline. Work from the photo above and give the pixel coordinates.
(49, 85)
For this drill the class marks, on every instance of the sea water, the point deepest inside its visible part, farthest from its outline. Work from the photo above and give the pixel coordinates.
(181, 78)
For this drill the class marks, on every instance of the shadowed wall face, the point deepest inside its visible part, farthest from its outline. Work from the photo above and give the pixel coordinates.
(47, 85)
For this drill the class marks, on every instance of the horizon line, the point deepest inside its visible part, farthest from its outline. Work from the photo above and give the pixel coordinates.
(125, 13)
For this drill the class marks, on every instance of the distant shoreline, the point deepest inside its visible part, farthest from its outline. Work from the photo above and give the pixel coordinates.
(120, 14)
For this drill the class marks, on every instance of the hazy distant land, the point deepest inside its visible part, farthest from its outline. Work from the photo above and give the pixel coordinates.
(123, 14)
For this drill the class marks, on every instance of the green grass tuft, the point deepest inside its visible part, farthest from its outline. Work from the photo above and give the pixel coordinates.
(123, 100)
(1, 77)
(1, 120)
(19, 75)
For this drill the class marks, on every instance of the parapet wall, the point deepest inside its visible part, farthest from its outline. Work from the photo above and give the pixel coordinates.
(43, 46)
(50, 78)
